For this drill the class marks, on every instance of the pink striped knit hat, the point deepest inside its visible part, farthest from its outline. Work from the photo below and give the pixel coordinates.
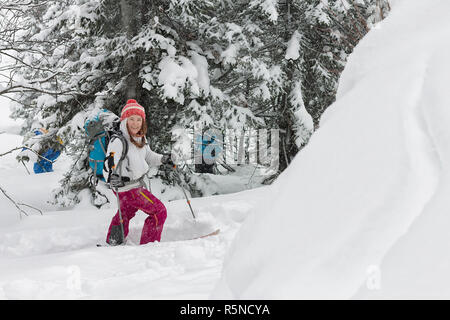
(132, 108)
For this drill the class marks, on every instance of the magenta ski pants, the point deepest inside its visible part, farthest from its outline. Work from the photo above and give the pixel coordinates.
(141, 199)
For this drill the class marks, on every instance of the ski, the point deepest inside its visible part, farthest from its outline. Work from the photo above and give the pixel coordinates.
(215, 232)
(108, 245)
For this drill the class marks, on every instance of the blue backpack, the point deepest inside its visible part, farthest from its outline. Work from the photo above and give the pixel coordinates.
(101, 129)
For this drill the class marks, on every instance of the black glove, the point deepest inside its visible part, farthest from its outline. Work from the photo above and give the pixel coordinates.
(115, 181)
(166, 160)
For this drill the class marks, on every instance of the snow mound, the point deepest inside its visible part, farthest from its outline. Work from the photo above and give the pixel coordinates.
(362, 211)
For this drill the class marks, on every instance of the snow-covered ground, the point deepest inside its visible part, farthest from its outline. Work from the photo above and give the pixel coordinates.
(360, 213)
(363, 211)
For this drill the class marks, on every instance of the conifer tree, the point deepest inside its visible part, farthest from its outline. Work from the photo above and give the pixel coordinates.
(209, 63)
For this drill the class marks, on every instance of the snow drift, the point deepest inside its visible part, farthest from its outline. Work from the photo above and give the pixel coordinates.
(362, 212)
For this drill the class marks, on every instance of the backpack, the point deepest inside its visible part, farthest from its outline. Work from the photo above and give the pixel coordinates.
(101, 129)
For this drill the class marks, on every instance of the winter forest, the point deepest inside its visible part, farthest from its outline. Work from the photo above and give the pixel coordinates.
(209, 64)
(263, 114)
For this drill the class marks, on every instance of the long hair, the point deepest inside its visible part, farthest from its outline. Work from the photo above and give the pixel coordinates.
(141, 133)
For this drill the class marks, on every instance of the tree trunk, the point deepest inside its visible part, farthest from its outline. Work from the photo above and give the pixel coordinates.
(129, 9)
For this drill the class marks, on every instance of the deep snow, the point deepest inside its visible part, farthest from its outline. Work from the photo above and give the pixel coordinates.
(362, 211)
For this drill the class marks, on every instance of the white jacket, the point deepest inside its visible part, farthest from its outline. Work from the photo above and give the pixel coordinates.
(137, 161)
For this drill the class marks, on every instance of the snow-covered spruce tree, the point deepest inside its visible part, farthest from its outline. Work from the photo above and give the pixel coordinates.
(321, 36)
(283, 59)
(248, 69)
(23, 73)
(219, 64)
(274, 64)
(256, 66)
(88, 54)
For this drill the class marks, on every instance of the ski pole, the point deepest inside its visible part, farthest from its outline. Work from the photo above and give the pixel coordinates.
(25, 167)
(120, 216)
(118, 169)
(184, 192)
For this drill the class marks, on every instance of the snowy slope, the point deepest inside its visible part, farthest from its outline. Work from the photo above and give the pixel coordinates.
(417, 266)
(362, 211)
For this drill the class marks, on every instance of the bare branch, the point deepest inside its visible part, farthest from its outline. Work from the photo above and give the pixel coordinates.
(15, 203)
(21, 148)
(27, 205)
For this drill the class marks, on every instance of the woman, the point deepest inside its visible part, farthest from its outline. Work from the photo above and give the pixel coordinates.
(125, 177)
